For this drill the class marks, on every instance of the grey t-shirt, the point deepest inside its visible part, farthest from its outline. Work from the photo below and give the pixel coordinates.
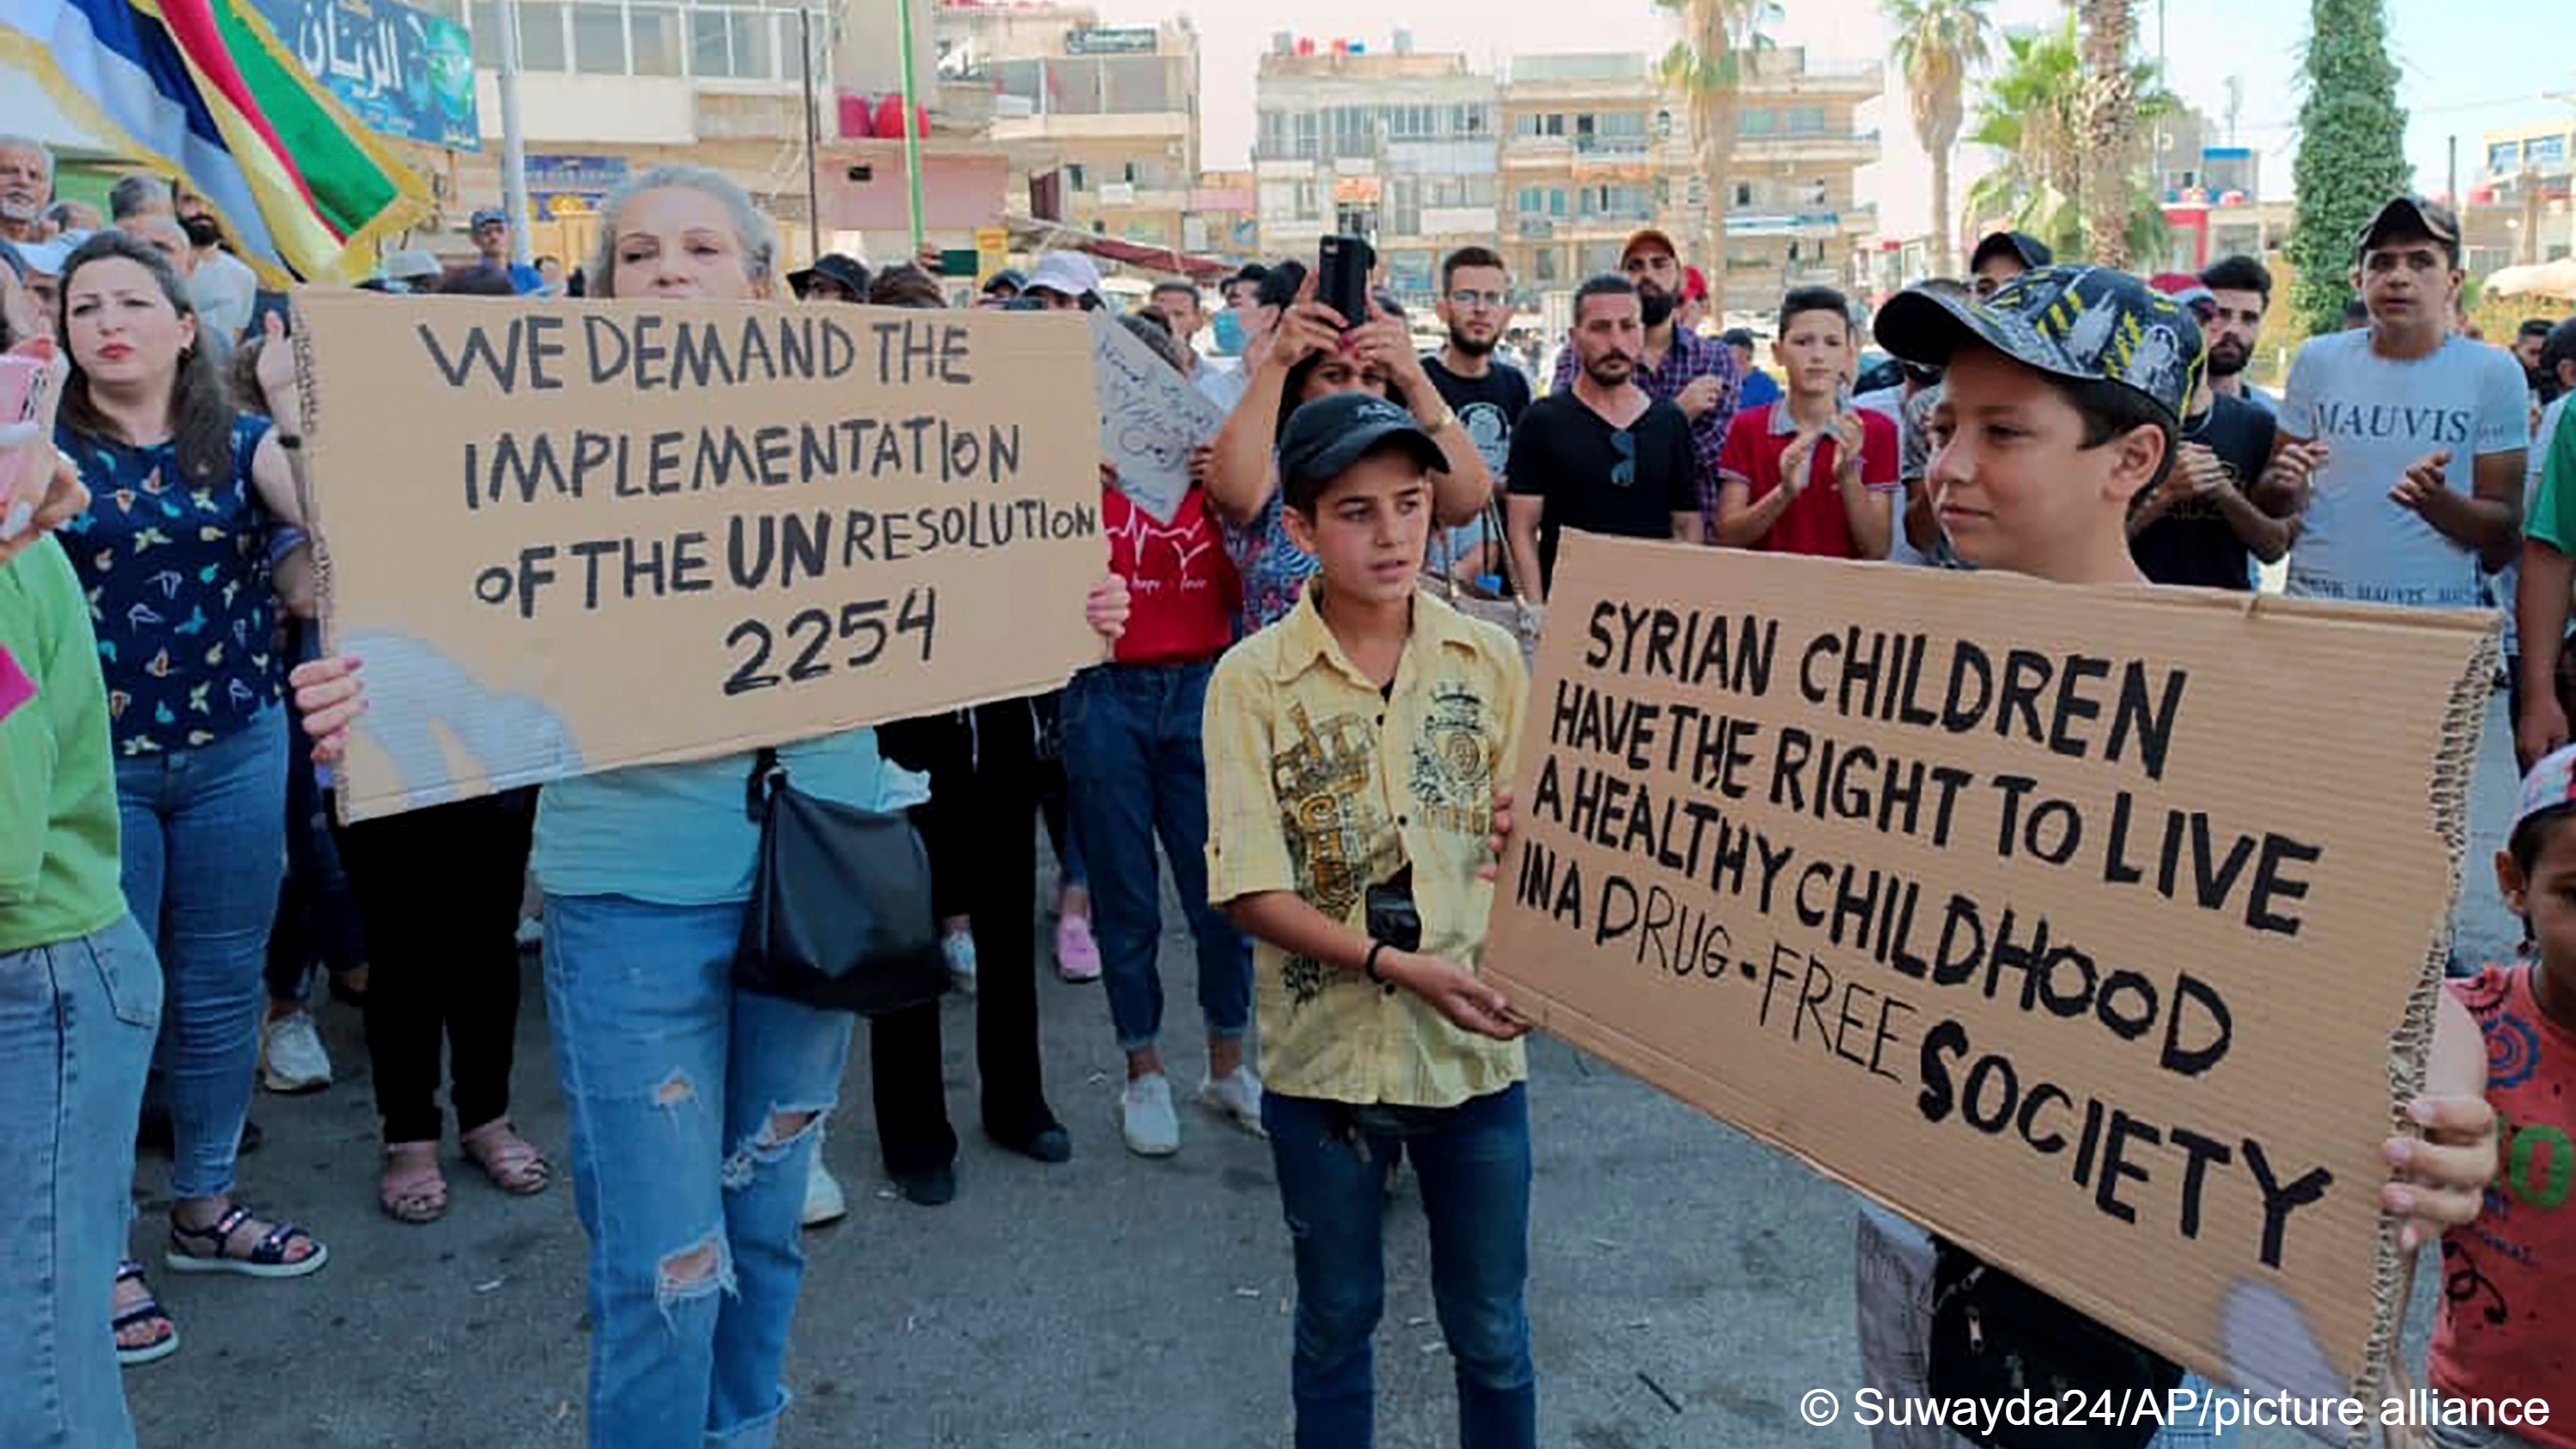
(2378, 416)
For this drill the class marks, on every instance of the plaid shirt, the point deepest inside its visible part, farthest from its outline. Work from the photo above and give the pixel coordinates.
(1691, 358)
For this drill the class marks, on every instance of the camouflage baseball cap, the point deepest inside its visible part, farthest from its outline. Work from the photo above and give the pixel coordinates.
(2083, 323)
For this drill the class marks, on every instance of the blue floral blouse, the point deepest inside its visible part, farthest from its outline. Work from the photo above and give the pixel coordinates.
(177, 576)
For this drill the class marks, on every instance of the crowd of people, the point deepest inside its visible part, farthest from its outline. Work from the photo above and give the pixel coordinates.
(1313, 699)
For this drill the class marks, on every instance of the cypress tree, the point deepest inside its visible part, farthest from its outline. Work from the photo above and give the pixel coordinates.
(2352, 151)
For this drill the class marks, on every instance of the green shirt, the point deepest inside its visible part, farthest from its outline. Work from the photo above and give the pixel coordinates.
(2552, 515)
(58, 825)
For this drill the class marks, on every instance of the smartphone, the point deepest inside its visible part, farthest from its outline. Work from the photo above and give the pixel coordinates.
(959, 261)
(1342, 266)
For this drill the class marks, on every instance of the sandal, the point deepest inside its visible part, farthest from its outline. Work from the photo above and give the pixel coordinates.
(267, 1257)
(513, 1165)
(412, 1190)
(146, 1309)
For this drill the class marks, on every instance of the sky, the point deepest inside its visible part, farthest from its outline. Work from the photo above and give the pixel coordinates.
(2463, 70)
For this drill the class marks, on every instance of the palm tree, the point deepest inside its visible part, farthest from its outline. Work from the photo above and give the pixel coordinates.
(1938, 42)
(1708, 64)
(2033, 114)
(2110, 123)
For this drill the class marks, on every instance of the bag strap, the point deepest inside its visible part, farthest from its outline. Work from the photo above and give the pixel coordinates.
(755, 801)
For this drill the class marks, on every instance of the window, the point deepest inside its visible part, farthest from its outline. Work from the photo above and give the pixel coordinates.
(1548, 261)
(2543, 150)
(1743, 194)
(1806, 121)
(1596, 258)
(1404, 205)
(1756, 122)
(1076, 177)
(598, 39)
(1481, 190)
(2504, 156)
(1307, 209)
(541, 36)
(710, 44)
(653, 32)
(1532, 200)
(1137, 85)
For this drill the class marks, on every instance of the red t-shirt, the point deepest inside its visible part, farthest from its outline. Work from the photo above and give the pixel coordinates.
(1815, 523)
(1182, 586)
(2509, 1278)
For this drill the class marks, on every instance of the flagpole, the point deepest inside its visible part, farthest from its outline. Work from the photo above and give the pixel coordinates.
(514, 158)
(813, 135)
(911, 119)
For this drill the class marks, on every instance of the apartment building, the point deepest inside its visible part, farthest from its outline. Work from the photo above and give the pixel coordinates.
(2517, 211)
(1593, 149)
(1793, 215)
(1110, 112)
(1394, 145)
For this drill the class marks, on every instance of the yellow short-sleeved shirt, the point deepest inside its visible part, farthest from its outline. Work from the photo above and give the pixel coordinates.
(1318, 784)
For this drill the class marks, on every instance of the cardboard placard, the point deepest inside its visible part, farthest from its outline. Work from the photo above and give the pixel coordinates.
(2098, 929)
(570, 536)
(1150, 418)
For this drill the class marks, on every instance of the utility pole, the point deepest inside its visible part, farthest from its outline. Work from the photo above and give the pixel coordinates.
(2453, 194)
(813, 137)
(514, 157)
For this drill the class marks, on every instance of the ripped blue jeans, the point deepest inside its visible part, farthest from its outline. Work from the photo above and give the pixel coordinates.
(693, 1111)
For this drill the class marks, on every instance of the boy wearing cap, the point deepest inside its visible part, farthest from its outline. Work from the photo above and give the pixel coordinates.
(2061, 401)
(2401, 444)
(1354, 749)
(2004, 255)
(2500, 1334)
(1694, 373)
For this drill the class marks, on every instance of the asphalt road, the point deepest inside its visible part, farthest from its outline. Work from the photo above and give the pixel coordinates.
(1688, 1284)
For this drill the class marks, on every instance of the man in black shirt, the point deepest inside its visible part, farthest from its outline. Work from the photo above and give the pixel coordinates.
(2201, 527)
(1476, 306)
(1602, 455)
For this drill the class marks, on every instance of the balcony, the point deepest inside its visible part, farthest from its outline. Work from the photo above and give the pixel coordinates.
(1859, 148)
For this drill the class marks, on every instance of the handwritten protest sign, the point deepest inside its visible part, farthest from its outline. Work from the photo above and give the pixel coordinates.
(573, 536)
(2099, 930)
(1150, 418)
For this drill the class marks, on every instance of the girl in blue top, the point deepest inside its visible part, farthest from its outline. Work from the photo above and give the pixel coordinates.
(694, 1106)
(188, 499)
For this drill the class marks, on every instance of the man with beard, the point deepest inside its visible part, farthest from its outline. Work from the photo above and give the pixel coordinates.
(2200, 527)
(26, 184)
(2240, 291)
(1602, 454)
(2528, 339)
(1695, 373)
(1476, 306)
(224, 288)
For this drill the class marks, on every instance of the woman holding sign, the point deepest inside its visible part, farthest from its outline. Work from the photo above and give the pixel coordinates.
(694, 1106)
(193, 502)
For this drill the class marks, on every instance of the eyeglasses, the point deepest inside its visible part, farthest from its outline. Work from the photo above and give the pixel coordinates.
(1465, 298)
(1623, 474)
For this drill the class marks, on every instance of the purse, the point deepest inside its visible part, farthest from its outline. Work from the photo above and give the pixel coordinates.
(840, 916)
(1505, 613)
(1995, 1337)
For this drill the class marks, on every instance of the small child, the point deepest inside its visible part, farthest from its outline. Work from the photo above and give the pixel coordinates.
(2501, 1334)
(1354, 752)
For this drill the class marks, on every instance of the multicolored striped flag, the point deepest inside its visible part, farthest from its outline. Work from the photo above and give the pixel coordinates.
(202, 89)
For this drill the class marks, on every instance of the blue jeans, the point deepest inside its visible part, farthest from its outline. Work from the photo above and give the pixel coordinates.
(1133, 752)
(694, 1111)
(76, 1025)
(205, 851)
(1474, 1163)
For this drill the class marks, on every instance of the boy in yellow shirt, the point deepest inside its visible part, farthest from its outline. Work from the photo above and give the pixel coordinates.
(1354, 752)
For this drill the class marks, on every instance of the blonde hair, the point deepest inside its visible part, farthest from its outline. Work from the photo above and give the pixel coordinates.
(752, 231)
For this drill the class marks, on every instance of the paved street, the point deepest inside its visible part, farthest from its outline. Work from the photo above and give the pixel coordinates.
(1689, 1285)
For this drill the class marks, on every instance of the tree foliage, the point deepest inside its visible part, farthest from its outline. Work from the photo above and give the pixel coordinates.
(2352, 150)
(1939, 44)
(2034, 112)
(1708, 65)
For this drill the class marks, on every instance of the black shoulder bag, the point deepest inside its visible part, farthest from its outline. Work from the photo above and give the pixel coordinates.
(1994, 1336)
(840, 916)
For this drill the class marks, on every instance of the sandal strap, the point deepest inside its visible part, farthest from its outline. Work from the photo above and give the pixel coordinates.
(145, 1310)
(129, 1270)
(219, 1232)
(271, 1247)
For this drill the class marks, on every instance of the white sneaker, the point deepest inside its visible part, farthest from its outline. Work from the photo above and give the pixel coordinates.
(291, 1058)
(824, 1201)
(1146, 1117)
(1236, 1096)
(959, 948)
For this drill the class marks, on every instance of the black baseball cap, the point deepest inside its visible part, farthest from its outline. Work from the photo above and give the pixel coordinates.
(2084, 324)
(1737, 337)
(2029, 250)
(1326, 436)
(849, 271)
(2410, 216)
(1009, 277)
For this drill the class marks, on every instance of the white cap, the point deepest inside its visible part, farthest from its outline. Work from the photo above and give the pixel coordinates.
(1070, 273)
(409, 266)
